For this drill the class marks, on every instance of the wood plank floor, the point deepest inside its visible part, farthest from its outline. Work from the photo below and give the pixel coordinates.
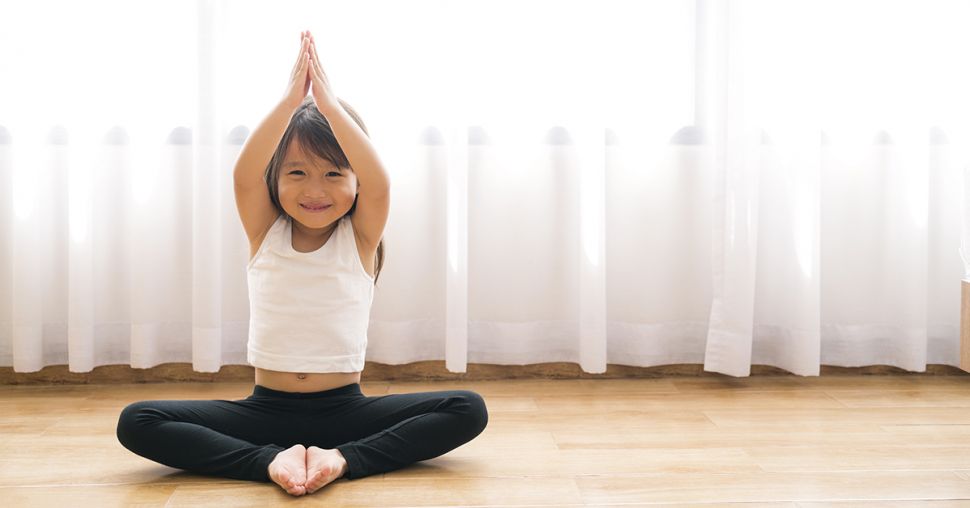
(764, 441)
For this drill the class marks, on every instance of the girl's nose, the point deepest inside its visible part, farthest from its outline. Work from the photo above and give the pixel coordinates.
(315, 189)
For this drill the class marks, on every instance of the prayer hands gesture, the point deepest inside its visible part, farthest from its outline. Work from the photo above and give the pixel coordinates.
(308, 74)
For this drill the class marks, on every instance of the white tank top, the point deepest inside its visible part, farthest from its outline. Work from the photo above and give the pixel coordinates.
(308, 311)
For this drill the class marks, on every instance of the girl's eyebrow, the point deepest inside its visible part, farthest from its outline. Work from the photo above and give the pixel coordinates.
(302, 164)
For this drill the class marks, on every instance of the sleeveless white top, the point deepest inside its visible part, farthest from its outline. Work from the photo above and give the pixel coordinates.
(308, 311)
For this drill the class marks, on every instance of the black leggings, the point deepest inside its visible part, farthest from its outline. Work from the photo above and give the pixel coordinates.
(239, 438)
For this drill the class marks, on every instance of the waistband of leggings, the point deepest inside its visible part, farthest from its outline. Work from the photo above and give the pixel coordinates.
(351, 389)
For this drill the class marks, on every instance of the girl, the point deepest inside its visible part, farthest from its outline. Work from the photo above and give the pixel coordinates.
(315, 226)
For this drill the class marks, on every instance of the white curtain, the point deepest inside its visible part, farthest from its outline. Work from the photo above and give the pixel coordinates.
(724, 183)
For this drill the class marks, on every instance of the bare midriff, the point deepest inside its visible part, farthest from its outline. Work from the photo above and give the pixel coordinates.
(304, 382)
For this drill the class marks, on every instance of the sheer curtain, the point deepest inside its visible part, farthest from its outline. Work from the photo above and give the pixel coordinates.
(724, 183)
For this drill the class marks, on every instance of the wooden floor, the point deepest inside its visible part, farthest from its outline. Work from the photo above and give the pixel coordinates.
(761, 441)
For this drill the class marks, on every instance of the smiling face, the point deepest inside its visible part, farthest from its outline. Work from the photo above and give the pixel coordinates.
(307, 183)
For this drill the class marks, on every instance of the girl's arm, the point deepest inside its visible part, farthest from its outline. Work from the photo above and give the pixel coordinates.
(374, 196)
(259, 147)
(256, 210)
(354, 143)
(359, 151)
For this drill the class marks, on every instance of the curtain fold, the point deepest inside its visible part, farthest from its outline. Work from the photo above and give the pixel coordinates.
(729, 197)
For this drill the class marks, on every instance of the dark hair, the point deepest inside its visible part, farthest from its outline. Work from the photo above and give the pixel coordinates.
(316, 138)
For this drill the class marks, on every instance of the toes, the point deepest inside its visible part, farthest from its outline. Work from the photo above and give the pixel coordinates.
(312, 479)
(287, 481)
(320, 478)
(315, 479)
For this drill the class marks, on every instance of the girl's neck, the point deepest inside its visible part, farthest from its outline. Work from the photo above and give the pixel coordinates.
(313, 233)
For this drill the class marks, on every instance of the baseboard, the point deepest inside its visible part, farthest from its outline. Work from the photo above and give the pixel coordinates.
(424, 371)
(965, 325)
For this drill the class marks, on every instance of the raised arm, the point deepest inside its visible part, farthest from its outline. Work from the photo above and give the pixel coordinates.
(256, 210)
(374, 196)
(259, 147)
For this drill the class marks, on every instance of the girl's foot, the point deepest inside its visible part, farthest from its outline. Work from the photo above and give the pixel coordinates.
(288, 470)
(323, 467)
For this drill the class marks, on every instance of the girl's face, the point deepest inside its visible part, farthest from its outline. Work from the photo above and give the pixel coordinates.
(313, 182)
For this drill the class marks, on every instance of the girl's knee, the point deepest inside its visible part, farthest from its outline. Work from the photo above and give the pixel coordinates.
(475, 410)
(130, 420)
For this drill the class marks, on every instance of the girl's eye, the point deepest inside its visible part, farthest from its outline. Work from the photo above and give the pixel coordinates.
(328, 174)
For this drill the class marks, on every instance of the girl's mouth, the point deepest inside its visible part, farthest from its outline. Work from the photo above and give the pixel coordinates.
(314, 210)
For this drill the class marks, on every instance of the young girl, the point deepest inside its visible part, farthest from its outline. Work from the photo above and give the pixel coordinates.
(315, 226)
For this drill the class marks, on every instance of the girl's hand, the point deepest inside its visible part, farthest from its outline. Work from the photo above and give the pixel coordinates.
(323, 95)
(300, 76)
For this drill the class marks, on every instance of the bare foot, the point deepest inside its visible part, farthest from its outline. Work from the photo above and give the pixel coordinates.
(288, 470)
(322, 467)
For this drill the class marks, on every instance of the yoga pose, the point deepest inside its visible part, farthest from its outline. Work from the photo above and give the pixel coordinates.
(313, 199)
